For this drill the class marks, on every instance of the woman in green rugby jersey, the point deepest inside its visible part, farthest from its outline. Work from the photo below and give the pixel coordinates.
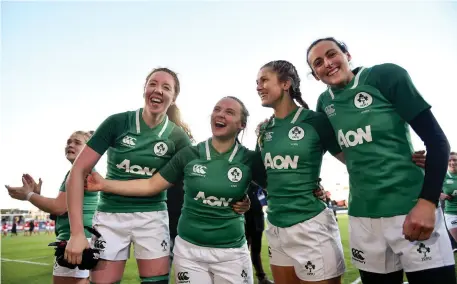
(449, 196)
(138, 144)
(30, 191)
(370, 110)
(303, 235)
(211, 245)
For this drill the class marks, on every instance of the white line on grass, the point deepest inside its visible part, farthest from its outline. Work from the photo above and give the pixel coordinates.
(24, 261)
(358, 280)
(35, 258)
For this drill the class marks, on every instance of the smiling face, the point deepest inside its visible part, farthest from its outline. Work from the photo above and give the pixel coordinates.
(330, 64)
(227, 119)
(452, 164)
(74, 146)
(269, 88)
(159, 92)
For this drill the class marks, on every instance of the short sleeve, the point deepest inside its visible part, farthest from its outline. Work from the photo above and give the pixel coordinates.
(319, 107)
(326, 134)
(180, 138)
(62, 186)
(173, 171)
(106, 133)
(396, 85)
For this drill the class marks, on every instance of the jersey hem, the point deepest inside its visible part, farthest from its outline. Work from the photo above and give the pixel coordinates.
(237, 244)
(132, 209)
(380, 215)
(290, 224)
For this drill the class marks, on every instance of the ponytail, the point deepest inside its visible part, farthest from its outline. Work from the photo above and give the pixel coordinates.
(237, 135)
(287, 71)
(174, 114)
(296, 94)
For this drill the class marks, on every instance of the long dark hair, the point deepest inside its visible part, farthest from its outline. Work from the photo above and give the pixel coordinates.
(285, 71)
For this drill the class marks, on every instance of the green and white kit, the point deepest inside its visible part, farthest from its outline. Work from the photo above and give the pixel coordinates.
(135, 151)
(370, 118)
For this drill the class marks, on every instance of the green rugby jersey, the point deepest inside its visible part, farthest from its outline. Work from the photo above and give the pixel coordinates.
(292, 150)
(89, 205)
(212, 183)
(450, 188)
(370, 120)
(135, 151)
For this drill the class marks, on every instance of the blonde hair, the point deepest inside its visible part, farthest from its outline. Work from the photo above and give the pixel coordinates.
(86, 134)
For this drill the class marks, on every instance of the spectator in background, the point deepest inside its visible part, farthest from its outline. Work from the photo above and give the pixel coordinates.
(53, 218)
(36, 227)
(448, 199)
(14, 229)
(48, 231)
(26, 228)
(254, 227)
(449, 186)
(31, 227)
(5, 229)
(453, 242)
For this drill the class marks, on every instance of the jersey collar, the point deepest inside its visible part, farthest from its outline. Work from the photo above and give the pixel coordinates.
(138, 125)
(294, 119)
(355, 81)
(208, 151)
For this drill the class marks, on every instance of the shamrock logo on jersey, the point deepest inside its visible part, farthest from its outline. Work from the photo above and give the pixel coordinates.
(235, 174)
(296, 133)
(310, 266)
(160, 149)
(362, 100)
(423, 249)
(164, 245)
(244, 275)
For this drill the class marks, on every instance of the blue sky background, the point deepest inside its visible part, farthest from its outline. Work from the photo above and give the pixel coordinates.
(66, 66)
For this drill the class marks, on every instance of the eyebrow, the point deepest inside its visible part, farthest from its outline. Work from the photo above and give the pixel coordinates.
(331, 49)
(155, 81)
(261, 78)
(76, 139)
